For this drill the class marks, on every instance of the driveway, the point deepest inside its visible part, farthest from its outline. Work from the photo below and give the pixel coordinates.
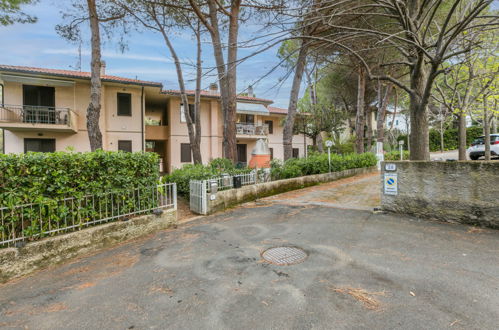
(450, 154)
(363, 271)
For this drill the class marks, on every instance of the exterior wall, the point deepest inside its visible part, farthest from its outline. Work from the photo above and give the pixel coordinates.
(465, 192)
(76, 98)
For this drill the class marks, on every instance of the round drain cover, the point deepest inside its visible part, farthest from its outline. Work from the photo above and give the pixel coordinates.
(284, 255)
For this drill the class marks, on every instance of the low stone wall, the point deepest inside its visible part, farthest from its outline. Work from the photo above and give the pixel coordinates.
(16, 262)
(229, 198)
(464, 192)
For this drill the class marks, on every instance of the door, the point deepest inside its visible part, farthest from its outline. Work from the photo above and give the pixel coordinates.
(39, 145)
(241, 153)
(39, 104)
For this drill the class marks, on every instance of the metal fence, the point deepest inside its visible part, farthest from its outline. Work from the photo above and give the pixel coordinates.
(199, 189)
(48, 218)
(35, 114)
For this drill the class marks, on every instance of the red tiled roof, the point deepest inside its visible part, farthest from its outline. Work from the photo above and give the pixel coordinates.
(75, 74)
(280, 111)
(217, 95)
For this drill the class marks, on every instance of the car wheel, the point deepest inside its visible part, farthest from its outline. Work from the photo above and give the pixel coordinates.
(474, 157)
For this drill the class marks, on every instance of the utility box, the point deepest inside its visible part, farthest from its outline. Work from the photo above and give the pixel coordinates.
(237, 182)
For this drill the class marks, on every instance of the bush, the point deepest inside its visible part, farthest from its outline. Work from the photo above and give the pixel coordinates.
(395, 155)
(317, 163)
(450, 138)
(188, 172)
(46, 179)
(34, 177)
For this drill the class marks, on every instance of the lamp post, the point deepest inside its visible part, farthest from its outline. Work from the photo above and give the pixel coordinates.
(401, 148)
(329, 144)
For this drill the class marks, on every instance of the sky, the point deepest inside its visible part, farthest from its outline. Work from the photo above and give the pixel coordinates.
(146, 58)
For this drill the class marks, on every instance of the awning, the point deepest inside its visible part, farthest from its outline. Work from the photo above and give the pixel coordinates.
(252, 109)
(36, 80)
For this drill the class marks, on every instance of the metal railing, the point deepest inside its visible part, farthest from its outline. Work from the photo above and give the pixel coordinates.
(227, 181)
(252, 129)
(35, 114)
(51, 217)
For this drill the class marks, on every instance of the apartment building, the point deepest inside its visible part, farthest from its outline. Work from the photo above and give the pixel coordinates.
(45, 110)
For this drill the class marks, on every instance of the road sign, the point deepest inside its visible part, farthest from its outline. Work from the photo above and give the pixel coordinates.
(391, 184)
(329, 143)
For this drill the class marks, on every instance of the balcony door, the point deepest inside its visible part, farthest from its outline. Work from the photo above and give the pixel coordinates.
(39, 145)
(39, 104)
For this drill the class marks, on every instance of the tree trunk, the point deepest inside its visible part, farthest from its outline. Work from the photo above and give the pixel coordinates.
(193, 133)
(380, 123)
(461, 131)
(231, 142)
(486, 129)
(287, 137)
(369, 121)
(197, 97)
(93, 110)
(359, 120)
(493, 125)
(419, 137)
(320, 143)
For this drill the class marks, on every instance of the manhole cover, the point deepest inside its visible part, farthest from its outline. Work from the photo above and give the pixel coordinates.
(284, 255)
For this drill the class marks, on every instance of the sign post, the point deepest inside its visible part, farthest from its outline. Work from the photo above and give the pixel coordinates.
(401, 148)
(329, 144)
(391, 184)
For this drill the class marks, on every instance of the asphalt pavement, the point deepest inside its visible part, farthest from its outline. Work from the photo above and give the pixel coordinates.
(362, 271)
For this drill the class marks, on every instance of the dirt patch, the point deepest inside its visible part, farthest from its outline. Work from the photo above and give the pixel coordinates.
(367, 298)
(183, 210)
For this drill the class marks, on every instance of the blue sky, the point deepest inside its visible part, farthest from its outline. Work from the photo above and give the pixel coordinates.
(146, 58)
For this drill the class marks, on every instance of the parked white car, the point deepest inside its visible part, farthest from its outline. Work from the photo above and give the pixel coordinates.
(477, 148)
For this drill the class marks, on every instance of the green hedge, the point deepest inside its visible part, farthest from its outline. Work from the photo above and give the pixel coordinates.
(450, 138)
(318, 163)
(215, 168)
(44, 179)
(395, 155)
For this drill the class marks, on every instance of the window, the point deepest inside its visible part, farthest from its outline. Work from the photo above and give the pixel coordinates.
(39, 145)
(271, 153)
(1, 94)
(270, 124)
(296, 152)
(124, 104)
(125, 145)
(192, 113)
(185, 153)
(246, 119)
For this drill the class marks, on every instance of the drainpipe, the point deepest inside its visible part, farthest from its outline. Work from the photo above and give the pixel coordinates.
(142, 117)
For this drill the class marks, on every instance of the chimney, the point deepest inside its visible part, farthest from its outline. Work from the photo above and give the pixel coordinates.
(102, 68)
(213, 88)
(250, 91)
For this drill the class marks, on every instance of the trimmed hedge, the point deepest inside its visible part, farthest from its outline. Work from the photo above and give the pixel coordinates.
(317, 163)
(34, 177)
(215, 168)
(45, 180)
(395, 155)
(450, 138)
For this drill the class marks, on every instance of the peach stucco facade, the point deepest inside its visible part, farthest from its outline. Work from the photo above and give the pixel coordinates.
(154, 121)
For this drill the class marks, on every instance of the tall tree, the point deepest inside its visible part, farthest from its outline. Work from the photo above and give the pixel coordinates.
(11, 12)
(96, 12)
(163, 17)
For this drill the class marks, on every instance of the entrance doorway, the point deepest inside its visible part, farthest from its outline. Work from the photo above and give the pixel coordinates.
(159, 147)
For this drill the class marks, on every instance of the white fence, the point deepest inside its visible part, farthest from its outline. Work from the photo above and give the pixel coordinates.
(199, 189)
(51, 217)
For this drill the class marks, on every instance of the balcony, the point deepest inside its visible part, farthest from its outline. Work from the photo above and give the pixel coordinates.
(251, 131)
(40, 118)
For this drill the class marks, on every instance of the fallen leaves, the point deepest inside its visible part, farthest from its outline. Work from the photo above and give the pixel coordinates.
(363, 296)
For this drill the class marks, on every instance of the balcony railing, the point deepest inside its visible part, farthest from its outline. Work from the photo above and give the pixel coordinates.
(25, 116)
(251, 129)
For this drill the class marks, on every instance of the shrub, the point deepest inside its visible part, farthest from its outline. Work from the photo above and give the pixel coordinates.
(317, 163)
(395, 155)
(45, 179)
(188, 172)
(450, 138)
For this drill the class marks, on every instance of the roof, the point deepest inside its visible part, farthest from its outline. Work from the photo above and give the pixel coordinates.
(216, 95)
(75, 75)
(279, 111)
